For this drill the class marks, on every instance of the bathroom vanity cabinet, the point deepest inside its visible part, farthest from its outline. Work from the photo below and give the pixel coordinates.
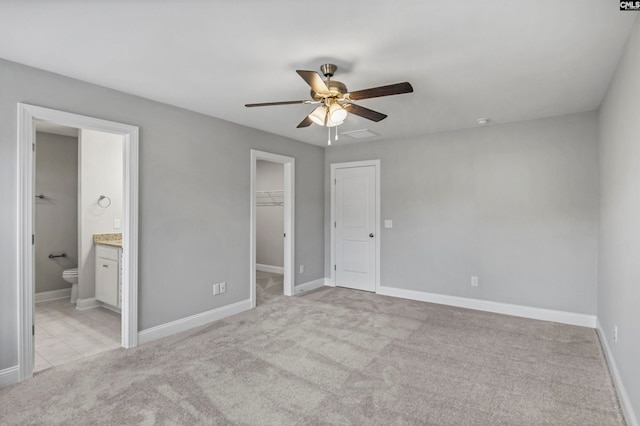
(108, 282)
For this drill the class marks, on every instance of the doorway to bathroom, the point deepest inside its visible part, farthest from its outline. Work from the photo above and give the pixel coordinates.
(272, 226)
(103, 314)
(73, 318)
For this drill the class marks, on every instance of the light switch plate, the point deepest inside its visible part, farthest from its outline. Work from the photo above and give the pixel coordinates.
(116, 223)
(388, 224)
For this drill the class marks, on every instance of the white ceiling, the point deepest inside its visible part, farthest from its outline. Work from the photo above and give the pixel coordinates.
(466, 59)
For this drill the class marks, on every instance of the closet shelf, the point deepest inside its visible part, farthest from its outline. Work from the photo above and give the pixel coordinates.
(270, 198)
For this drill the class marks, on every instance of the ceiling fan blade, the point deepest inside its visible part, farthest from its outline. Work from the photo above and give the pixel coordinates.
(305, 123)
(277, 103)
(367, 113)
(314, 80)
(376, 92)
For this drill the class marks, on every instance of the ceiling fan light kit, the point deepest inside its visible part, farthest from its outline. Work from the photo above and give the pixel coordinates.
(318, 116)
(337, 114)
(336, 101)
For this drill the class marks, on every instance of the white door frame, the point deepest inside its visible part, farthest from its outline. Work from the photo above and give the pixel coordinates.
(334, 167)
(26, 140)
(289, 220)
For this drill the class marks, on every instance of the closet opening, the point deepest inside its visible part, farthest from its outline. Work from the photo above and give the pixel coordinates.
(272, 230)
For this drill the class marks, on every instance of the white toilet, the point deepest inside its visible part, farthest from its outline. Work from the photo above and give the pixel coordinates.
(71, 276)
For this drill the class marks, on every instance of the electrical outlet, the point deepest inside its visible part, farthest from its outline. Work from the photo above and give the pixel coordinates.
(216, 289)
(302, 269)
(615, 333)
(116, 223)
(474, 281)
(223, 287)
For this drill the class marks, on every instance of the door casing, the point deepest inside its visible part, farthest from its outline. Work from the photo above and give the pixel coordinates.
(26, 196)
(333, 168)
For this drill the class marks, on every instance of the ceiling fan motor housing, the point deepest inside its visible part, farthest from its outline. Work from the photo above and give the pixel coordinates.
(337, 89)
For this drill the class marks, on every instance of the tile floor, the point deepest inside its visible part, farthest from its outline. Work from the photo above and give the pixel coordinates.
(65, 334)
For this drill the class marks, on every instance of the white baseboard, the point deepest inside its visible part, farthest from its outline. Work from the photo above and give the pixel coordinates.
(270, 268)
(329, 283)
(183, 324)
(563, 317)
(308, 286)
(90, 303)
(44, 296)
(623, 397)
(9, 376)
(112, 308)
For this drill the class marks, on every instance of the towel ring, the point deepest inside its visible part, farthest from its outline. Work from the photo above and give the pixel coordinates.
(102, 203)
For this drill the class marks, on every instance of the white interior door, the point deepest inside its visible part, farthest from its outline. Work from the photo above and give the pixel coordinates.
(355, 227)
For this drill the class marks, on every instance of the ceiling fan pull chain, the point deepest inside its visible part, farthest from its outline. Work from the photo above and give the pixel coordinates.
(336, 134)
(329, 138)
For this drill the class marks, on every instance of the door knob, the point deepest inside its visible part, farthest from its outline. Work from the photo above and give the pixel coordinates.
(371, 235)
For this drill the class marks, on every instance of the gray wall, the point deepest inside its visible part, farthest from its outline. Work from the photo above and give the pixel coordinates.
(56, 221)
(619, 277)
(515, 205)
(194, 198)
(270, 219)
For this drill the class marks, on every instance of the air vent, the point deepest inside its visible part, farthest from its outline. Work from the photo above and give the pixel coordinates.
(360, 134)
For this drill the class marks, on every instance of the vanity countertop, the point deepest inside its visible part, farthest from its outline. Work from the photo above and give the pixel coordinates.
(114, 239)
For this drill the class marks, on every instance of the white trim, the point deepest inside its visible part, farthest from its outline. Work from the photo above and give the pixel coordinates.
(329, 282)
(26, 139)
(89, 303)
(26, 136)
(563, 317)
(112, 308)
(9, 376)
(623, 397)
(184, 324)
(308, 286)
(269, 268)
(45, 296)
(289, 221)
(334, 167)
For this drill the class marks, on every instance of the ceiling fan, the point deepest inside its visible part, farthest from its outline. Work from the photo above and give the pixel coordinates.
(335, 100)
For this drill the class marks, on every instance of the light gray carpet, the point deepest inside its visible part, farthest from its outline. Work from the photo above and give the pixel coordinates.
(336, 356)
(268, 286)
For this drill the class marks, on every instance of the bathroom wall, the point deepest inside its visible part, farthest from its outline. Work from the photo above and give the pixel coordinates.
(56, 215)
(101, 173)
(269, 219)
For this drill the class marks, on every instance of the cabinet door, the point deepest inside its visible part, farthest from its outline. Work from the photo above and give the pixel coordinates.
(107, 273)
